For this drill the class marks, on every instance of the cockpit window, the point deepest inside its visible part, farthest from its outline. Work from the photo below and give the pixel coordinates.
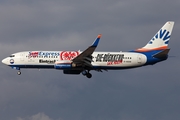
(12, 56)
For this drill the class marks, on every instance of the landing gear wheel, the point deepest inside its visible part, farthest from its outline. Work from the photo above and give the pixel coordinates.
(19, 72)
(88, 75)
(84, 73)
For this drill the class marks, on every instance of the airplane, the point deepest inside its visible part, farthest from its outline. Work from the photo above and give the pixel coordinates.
(76, 62)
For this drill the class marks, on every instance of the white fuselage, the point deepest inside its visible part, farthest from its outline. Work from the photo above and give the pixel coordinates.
(103, 60)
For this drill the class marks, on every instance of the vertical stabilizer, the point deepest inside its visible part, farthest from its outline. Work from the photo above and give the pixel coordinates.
(160, 39)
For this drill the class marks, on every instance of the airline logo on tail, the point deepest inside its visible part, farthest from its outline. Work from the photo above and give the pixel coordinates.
(160, 40)
(162, 35)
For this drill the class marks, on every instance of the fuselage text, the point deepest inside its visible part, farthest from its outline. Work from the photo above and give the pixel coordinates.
(109, 57)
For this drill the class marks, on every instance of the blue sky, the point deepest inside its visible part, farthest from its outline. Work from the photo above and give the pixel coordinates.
(145, 93)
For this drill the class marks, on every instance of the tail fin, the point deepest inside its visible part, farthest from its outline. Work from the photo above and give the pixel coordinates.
(161, 38)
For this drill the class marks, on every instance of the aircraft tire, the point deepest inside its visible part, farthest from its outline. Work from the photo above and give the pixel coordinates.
(19, 72)
(88, 75)
(84, 72)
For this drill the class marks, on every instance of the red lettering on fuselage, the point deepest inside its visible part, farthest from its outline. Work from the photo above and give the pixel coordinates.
(114, 62)
(33, 54)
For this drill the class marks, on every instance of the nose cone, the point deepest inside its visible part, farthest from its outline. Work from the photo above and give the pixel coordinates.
(5, 61)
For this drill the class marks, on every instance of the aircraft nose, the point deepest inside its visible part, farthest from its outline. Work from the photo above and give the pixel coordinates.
(4, 61)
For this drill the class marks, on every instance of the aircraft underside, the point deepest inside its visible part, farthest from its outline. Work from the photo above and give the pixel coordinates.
(75, 71)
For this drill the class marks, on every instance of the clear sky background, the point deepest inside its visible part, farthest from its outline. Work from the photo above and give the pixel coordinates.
(146, 93)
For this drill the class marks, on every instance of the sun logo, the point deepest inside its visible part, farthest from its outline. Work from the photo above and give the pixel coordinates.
(162, 36)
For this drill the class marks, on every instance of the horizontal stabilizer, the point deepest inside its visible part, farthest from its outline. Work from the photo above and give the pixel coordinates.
(162, 54)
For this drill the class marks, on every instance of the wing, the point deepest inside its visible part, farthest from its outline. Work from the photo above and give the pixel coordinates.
(85, 58)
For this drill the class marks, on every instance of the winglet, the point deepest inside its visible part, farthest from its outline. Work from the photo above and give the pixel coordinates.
(95, 43)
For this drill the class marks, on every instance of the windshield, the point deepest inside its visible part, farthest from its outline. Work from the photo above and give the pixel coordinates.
(12, 56)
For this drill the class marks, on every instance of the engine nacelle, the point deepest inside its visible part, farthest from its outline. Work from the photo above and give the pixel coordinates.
(65, 64)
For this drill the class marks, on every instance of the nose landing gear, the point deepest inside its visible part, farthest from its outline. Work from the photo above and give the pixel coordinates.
(19, 72)
(17, 68)
(87, 74)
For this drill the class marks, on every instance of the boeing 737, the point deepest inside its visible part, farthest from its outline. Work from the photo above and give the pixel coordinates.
(76, 62)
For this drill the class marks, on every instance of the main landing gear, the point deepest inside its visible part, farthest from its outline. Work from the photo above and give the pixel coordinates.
(87, 74)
